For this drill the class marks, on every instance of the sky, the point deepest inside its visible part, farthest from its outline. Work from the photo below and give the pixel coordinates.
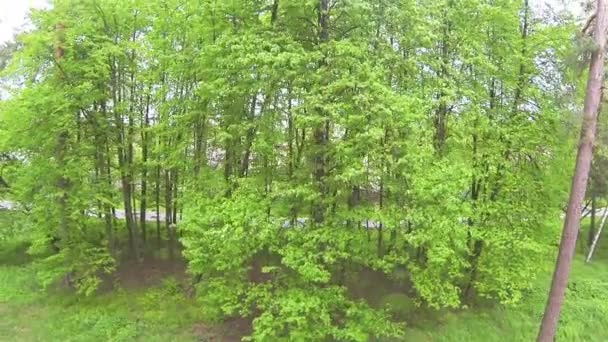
(13, 12)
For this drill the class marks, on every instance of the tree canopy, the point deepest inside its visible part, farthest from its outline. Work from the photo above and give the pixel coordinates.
(290, 148)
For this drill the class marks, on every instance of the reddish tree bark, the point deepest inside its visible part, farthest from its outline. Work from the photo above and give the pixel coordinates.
(579, 181)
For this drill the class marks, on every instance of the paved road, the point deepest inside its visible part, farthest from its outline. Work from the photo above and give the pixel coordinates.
(301, 222)
(150, 216)
(120, 213)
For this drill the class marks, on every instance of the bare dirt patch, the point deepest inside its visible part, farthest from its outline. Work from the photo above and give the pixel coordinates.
(231, 330)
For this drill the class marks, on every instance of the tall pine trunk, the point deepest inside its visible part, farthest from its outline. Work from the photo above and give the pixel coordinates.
(567, 246)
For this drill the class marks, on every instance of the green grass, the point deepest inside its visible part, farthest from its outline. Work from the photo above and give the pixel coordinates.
(163, 313)
(584, 316)
(28, 313)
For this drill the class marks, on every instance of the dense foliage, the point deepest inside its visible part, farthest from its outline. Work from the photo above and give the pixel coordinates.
(299, 146)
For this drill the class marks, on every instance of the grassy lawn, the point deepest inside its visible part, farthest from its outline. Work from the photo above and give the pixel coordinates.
(138, 311)
(584, 315)
(161, 311)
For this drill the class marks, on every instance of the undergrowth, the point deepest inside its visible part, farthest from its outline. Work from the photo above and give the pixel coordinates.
(152, 314)
(164, 313)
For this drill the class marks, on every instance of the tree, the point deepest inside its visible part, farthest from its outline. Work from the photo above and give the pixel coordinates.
(598, 186)
(559, 283)
(305, 143)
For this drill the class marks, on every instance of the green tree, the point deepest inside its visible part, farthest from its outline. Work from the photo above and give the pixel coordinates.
(306, 144)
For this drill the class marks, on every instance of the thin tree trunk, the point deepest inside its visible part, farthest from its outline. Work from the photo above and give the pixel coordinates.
(475, 245)
(249, 137)
(123, 159)
(105, 181)
(63, 183)
(228, 156)
(474, 260)
(353, 202)
(380, 242)
(130, 151)
(274, 12)
(99, 209)
(290, 136)
(596, 237)
(592, 225)
(548, 326)
(157, 200)
(441, 114)
(144, 171)
(200, 145)
(175, 188)
(321, 132)
(168, 212)
(110, 184)
(521, 82)
(136, 219)
(127, 194)
(130, 172)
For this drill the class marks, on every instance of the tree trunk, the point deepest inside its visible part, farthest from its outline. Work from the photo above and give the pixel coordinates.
(169, 212)
(592, 225)
(228, 167)
(200, 148)
(441, 114)
(110, 183)
(127, 194)
(548, 326)
(157, 200)
(321, 132)
(130, 172)
(124, 156)
(175, 189)
(144, 172)
(274, 12)
(474, 261)
(63, 182)
(521, 82)
(380, 242)
(596, 237)
(249, 137)
(105, 181)
(98, 180)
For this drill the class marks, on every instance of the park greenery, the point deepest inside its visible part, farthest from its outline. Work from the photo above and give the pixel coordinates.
(294, 170)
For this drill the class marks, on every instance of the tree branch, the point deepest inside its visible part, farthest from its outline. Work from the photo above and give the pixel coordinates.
(588, 23)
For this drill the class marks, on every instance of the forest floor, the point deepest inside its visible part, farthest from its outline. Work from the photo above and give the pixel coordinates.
(150, 305)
